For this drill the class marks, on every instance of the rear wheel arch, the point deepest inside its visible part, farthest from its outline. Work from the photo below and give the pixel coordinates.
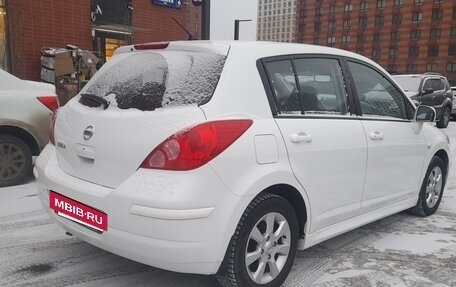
(23, 135)
(295, 198)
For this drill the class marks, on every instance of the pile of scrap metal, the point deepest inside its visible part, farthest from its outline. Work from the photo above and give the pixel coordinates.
(68, 68)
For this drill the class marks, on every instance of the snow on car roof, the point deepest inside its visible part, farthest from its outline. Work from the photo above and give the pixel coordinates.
(257, 49)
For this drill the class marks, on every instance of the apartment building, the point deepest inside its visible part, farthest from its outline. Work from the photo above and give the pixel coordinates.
(404, 36)
(276, 20)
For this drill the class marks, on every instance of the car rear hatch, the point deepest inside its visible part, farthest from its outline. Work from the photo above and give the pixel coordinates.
(136, 101)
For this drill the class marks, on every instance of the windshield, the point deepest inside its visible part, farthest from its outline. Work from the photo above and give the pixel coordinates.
(408, 84)
(151, 80)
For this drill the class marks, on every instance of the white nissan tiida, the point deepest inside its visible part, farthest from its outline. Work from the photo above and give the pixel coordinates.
(226, 157)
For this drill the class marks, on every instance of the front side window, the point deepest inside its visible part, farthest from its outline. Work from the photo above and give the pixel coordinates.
(377, 96)
(321, 88)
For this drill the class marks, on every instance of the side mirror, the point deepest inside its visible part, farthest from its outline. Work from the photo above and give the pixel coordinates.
(424, 114)
(428, 91)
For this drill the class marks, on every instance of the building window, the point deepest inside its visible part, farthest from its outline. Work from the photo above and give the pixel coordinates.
(417, 17)
(394, 36)
(331, 25)
(362, 22)
(398, 3)
(415, 34)
(318, 11)
(451, 68)
(375, 53)
(345, 39)
(377, 37)
(431, 67)
(348, 7)
(331, 40)
(347, 23)
(414, 51)
(379, 20)
(435, 33)
(454, 13)
(332, 10)
(419, 2)
(433, 51)
(317, 26)
(392, 53)
(397, 19)
(453, 32)
(439, 1)
(437, 15)
(391, 68)
(316, 41)
(302, 14)
(381, 3)
(412, 68)
(452, 50)
(302, 28)
(361, 38)
(363, 6)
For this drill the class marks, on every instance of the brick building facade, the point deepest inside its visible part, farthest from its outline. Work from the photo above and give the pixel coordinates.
(32, 25)
(404, 36)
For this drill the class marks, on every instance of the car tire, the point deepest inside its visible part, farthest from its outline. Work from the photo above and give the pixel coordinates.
(445, 118)
(432, 189)
(15, 160)
(271, 251)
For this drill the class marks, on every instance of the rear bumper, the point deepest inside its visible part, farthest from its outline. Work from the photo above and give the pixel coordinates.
(176, 221)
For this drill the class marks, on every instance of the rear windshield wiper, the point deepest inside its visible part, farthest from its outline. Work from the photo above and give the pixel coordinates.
(93, 101)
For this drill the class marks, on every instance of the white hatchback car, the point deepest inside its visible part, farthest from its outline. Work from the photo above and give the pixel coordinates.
(225, 158)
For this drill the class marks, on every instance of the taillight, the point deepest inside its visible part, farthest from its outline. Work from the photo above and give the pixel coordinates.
(194, 147)
(52, 127)
(154, 46)
(51, 102)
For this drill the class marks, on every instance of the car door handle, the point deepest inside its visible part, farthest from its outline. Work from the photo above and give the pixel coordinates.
(376, 136)
(301, 137)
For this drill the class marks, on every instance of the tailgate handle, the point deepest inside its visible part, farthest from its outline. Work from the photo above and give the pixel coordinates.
(85, 153)
(301, 137)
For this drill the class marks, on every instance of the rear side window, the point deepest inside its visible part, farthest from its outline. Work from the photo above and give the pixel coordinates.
(151, 80)
(308, 86)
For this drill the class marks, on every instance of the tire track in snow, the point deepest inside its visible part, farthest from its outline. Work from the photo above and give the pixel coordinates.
(8, 227)
(87, 277)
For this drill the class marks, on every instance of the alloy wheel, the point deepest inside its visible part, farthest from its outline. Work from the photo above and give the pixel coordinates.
(434, 187)
(12, 160)
(268, 248)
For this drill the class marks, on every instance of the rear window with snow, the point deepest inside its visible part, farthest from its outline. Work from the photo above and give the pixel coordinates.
(151, 80)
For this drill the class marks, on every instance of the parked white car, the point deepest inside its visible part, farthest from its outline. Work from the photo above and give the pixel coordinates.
(225, 158)
(25, 114)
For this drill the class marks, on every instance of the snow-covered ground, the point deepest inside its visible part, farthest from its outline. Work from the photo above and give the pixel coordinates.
(401, 250)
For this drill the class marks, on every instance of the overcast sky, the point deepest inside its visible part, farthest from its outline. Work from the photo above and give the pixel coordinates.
(223, 14)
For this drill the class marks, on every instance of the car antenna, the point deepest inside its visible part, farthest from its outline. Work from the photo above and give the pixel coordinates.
(190, 36)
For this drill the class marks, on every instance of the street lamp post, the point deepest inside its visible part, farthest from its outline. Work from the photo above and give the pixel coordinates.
(236, 27)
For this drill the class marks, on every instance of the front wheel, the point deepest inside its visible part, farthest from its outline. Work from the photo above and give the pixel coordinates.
(445, 118)
(262, 249)
(432, 188)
